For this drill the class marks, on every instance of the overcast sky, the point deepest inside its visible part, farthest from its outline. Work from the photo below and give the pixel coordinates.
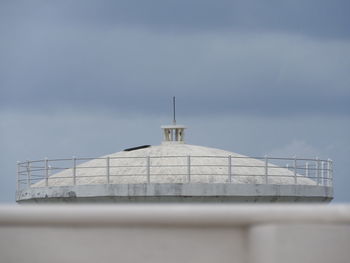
(88, 78)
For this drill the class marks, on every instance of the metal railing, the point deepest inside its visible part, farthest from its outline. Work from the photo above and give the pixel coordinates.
(189, 169)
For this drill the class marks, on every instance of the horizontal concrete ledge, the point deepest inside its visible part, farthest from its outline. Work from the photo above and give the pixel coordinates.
(175, 200)
(172, 215)
(178, 192)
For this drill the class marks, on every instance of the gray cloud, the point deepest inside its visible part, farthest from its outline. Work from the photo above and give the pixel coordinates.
(317, 18)
(137, 69)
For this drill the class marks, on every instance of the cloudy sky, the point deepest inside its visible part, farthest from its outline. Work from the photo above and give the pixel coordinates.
(88, 78)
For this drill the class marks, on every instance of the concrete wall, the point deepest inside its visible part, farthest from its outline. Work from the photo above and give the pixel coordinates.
(178, 193)
(175, 233)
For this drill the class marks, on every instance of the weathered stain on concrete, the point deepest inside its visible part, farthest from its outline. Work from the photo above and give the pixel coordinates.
(177, 193)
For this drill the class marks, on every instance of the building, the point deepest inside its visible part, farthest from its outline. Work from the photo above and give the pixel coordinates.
(175, 172)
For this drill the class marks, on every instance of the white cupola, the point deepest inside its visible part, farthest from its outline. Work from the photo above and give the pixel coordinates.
(173, 133)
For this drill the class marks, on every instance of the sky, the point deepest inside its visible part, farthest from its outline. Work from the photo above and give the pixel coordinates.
(88, 78)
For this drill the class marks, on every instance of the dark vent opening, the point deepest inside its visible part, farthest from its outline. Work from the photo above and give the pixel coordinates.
(136, 148)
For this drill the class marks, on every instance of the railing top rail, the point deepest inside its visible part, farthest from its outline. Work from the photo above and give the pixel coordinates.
(176, 156)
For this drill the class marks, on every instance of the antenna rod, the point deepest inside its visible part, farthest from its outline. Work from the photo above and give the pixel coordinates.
(174, 111)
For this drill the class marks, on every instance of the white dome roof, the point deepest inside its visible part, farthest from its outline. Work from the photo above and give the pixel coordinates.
(169, 164)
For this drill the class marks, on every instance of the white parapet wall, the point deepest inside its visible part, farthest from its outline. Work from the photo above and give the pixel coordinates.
(175, 233)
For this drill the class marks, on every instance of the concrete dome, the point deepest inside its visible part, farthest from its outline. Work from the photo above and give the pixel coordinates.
(174, 172)
(169, 165)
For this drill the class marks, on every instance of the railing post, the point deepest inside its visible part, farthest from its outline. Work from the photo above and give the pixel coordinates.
(328, 172)
(28, 167)
(148, 168)
(322, 173)
(188, 169)
(307, 169)
(230, 168)
(295, 170)
(107, 168)
(46, 172)
(331, 171)
(18, 176)
(74, 170)
(318, 170)
(266, 169)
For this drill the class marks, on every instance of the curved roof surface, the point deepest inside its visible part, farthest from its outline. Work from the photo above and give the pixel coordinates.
(169, 164)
